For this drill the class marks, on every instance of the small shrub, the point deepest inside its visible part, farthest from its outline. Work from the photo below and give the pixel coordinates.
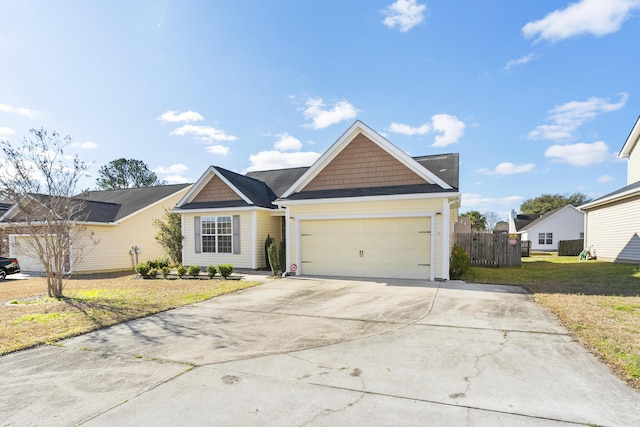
(153, 273)
(165, 272)
(272, 251)
(194, 271)
(225, 270)
(158, 263)
(459, 263)
(211, 271)
(143, 268)
(283, 255)
(267, 242)
(181, 270)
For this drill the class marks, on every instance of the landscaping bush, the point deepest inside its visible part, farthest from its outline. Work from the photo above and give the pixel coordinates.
(211, 271)
(181, 270)
(158, 263)
(273, 258)
(267, 242)
(225, 270)
(165, 272)
(143, 269)
(459, 262)
(194, 271)
(283, 255)
(153, 273)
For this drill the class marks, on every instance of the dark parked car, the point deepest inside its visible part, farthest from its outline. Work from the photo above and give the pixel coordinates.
(8, 266)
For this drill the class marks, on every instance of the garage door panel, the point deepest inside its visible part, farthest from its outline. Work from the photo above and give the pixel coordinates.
(380, 247)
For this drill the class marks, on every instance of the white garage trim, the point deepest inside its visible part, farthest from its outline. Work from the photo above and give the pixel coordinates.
(432, 215)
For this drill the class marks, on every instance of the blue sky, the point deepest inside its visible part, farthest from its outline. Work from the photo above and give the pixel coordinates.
(536, 96)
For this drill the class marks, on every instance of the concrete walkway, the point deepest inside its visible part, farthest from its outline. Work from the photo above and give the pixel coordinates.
(315, 352)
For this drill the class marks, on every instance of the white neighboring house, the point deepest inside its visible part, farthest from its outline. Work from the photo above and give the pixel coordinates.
(612, 222)
(545, 231)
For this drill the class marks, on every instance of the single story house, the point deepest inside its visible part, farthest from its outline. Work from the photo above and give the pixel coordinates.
(612, 225)
(365, 208)
(121, 222)
(546, 230)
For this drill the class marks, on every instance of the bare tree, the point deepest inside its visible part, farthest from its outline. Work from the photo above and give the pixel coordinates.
(491, 219)
(43, 181)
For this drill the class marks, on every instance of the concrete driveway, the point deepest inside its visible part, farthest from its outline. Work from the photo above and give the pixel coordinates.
(314, 352)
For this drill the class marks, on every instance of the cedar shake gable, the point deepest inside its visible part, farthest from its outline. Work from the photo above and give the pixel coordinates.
(222, 188)
(363, 164)
(362, 159)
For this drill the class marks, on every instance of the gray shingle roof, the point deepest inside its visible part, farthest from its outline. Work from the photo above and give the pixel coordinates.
(256, 191)
(113, 205)
(370, 191)
(279, 180)
(634, 186)
(444, 166)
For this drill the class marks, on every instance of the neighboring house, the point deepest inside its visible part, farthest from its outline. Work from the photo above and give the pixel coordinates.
(546, 230)
(364, 208)
(463, 225)
(120, 221)
(612, 225)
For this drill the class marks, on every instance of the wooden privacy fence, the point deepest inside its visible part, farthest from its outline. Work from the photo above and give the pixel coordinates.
(570, 247)
(490, 250)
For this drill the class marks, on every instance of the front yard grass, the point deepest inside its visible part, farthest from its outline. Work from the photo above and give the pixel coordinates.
(599, 302)
(28, 318)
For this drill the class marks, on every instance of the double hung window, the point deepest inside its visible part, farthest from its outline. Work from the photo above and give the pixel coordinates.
(217, 234)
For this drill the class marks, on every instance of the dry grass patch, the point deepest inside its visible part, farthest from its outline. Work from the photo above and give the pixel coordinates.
(28, 318)
(599, 302)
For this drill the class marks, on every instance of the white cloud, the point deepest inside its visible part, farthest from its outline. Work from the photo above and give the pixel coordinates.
(287, 142)
(89, 145)
(273, 159)
(595, 17)
(581, 154)
(507, 168)
(449, 126)
(522, 60)
(174, 174)
(452, 129)
(322, 118)
(219, 150)
(178, 168)
(410, 130)
(204, 133)
(175, 117)
(404, 14)
(566, 118)
(5, 131)
(4, 108)
(605, 178)
(471, 201)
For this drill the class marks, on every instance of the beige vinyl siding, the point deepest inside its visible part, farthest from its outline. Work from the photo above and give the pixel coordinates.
(614, 229)
(266, 224)
(378, 208)
(111, 253)
(242, 260)
(633, 167)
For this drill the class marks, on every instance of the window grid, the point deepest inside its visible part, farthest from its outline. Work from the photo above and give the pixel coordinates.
(216, 234)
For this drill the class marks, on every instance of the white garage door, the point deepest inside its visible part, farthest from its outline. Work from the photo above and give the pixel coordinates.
(380, 247)
(27, 257)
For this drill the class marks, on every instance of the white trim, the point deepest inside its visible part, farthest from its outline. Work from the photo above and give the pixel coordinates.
(287, 236)
(298, 235)
(631, 141)
(226, 209)
(365, 216)
(446, 195)
(254, 238)
(433, 248)
(446, 238)
(615, 198)
(182, 231)
(356, 128)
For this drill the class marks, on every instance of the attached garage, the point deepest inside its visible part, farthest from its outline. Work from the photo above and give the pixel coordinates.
(367, 247)
(20, 247)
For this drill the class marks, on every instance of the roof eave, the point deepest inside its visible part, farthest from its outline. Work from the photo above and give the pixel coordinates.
(631, 141)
